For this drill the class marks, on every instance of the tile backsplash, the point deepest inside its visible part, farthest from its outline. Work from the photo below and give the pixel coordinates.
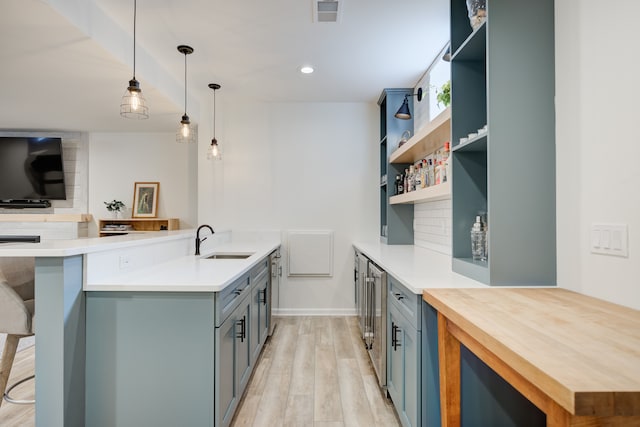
(432, 225)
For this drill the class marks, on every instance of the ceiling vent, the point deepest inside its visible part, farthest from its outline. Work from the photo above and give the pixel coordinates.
(326, 11)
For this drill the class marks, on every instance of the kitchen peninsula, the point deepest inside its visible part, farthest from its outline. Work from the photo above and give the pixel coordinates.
(127, 279)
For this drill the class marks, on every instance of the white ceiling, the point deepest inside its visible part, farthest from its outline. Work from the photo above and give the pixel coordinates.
(66, 63)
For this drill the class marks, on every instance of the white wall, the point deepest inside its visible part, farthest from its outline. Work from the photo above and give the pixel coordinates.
(292, 166)
(597, 144)
(118, 160)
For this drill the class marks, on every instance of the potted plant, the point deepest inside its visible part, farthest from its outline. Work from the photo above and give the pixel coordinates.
(115, 207)
(443, 95)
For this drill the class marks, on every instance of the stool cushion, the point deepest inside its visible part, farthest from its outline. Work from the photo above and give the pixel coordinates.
(16, 317)
(19, 273)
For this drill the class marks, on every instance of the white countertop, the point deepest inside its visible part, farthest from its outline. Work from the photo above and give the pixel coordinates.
(62, 248)
(415, 267)
(191, 273)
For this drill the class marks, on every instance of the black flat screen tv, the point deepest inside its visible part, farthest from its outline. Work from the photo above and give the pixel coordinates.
(31, 169)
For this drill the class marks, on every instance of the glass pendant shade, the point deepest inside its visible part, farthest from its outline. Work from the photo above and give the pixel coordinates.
(187, 131)
(214, 152)
(133, 105)
(403, 112)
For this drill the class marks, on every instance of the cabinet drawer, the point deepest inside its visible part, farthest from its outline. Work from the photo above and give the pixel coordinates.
(407, 303)
(229, 298)
(261, 268)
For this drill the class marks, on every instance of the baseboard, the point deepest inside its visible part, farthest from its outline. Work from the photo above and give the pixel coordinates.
(314, 312)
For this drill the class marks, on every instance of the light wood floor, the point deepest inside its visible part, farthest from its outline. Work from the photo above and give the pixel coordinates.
(20, 415)
(313, 371)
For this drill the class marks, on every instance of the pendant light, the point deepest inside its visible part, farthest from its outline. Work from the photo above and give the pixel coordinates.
(214, 152)
(133, 104)
(186, 131)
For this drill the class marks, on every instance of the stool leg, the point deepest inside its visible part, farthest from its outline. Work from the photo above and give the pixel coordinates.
(8, 354)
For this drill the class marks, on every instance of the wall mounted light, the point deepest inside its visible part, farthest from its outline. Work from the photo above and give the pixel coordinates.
(403, 112)
(214, 152)
(133, 104)
(186, 131)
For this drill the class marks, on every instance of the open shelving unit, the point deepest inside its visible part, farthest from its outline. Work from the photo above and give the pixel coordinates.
(396, 220)
(502, 76)
(429, 194)
(138, 225)
(427, 140)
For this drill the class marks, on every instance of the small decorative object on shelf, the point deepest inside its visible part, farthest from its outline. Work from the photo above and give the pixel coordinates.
(443, 95)
(404, 138)
(477, 12)
(479, 239)
(145, 199)
(115, 207)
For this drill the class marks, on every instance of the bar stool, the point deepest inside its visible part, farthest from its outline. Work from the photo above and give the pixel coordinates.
(17, 315)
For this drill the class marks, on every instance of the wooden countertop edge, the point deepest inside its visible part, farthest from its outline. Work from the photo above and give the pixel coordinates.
(575, 402)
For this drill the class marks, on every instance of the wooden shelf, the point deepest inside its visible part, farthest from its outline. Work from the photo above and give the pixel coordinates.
(140, 225)
(45, 217)
(429, 194)
(427, 140)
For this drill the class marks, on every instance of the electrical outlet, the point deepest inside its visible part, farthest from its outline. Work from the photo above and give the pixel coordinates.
(610, 239)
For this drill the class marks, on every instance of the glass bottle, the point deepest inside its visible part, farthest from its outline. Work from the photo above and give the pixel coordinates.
(479, 240)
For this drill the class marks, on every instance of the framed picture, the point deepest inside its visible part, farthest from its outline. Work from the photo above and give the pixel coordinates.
(145, 200)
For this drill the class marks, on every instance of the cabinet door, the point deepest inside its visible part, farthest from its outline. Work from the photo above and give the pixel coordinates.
(243, 339)
(411, 414)
(264, 309)
(255, 343)
(395, 360)
(259, 315)
(403, 380)
(226, 396)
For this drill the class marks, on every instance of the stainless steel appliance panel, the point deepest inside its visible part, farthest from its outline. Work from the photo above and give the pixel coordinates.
(376, 336)
(274, 288)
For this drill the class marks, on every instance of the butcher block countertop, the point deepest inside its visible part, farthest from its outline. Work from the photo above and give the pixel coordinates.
(551, 344)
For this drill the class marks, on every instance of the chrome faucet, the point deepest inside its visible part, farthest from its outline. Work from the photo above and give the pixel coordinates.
(199, 240)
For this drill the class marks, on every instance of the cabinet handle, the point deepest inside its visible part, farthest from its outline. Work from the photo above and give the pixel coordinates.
(243, 330)
(399, 296)
(395, 342)
(264, 297)
(393, 335)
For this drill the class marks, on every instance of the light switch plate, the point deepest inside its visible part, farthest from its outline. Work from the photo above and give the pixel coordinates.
(610, 239)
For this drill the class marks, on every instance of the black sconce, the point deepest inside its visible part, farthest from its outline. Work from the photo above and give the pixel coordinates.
(403, 112)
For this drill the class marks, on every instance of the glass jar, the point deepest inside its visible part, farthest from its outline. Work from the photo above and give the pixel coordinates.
(477, 12)
(479, 240)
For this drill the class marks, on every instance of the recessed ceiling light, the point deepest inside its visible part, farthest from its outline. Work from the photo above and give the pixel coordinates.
(306, 69)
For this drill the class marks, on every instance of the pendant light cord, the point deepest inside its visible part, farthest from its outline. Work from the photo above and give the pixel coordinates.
(134, 38)
(214, 114)
(185, 83)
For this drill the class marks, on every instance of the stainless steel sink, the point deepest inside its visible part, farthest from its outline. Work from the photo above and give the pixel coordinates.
(228, 256)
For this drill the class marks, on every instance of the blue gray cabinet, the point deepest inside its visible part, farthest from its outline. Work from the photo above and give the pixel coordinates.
(404, 352)
(396, 221)
(172, 358)
(502, 76)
